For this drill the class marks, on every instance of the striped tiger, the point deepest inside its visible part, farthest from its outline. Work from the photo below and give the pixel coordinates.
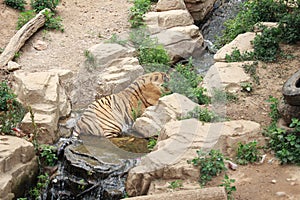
(110, 116)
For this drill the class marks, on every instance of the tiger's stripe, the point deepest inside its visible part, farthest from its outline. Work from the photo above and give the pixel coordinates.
(111, 115)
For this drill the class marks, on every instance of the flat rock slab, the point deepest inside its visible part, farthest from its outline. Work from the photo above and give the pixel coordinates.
(18, 165)
(227, 76)
(215, 193)
(242, 42)
(178, 142)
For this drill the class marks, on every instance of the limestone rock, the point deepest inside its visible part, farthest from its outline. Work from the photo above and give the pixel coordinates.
(169, 108)
(40, 45)
(43, 92)
(109, 69)
(215, 193)
(103, 54)
(115, 78)
(225, 75)
(165, 5)
(18, 166)
(242, 42)
(179, 45)
(199, 8)
(12, 66)
(169, 19)
(178, 142)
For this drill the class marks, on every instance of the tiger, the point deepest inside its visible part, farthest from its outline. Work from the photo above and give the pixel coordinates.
(111, 116)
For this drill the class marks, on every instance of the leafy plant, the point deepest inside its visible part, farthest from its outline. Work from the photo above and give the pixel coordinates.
(202, 114)
(39, 5)
(226, 183)
(285, 145)
(17, 4)
(52, 21)
(11, 111)
(266, 45)
(251, 13)
(211, 164)
(115, 39)
(290, 26)
(274, 113)
(248, 153)
(175, 184)
(43, 181)
(184, 80)
(24, 18)
(137, 11)
(138, 111)
(237, 56)
(151, 143)
(48, 153)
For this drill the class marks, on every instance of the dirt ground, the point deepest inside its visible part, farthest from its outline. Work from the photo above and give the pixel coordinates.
(87, 22)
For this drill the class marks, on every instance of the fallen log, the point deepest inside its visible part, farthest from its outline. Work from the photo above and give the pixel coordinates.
(215, 193)
(19, 39)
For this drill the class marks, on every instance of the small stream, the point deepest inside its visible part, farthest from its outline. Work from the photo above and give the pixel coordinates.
(95, 167)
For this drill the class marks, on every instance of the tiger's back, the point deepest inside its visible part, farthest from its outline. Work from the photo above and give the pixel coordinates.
(111, 115)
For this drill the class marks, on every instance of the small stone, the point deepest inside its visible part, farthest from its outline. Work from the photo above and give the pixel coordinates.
(274, 181)
(280, 194)
(291, 179)
(12, 66)
(40, 45)
(293, 183)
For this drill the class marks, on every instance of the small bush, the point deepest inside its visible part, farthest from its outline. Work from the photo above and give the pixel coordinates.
(137, 11)
(11, 111)
(39, 5)
(24, 18)
(266, 45)
(248, 153)
(237, 56)
(151, 143)
(290, 26)
(48, 154)
(52, 21)
(17, 4)
(202, 114)
(211, 164)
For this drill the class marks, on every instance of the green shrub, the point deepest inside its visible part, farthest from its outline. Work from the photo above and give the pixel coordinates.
(39, 5)
(17, 4)
(137, 11)
(226, 183)
(266, 45)
(11, 111)
(285, 145)
(151, 143)
(251, 13)
(290, 26)
(237, 56)
(251, 69)
(48, 154)
(184, 80)
(52, 21)
(211, 164)
(202, 114)
(175, 184)
(24, 18)
(247, 153)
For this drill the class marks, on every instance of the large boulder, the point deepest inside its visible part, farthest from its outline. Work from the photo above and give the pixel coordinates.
(109, 68)
(178, 142)
(169, 108)
(43, 92)
(165, 5)
(18, 167)
(243, 43)
(199, 8)
(226, 76)
(174, 28)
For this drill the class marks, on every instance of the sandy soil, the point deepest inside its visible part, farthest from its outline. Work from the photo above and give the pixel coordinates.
(87, 22)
